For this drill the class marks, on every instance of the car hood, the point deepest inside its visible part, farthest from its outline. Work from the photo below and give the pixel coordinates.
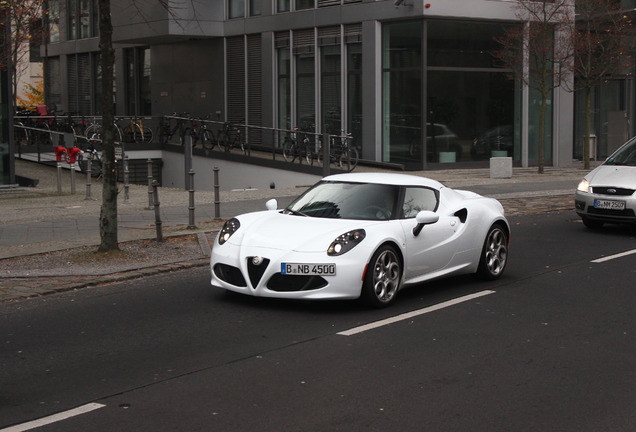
(613, 175)
(276, 230)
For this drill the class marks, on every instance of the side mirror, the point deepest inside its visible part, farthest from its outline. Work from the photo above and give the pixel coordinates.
(271, 204)
(425, 217)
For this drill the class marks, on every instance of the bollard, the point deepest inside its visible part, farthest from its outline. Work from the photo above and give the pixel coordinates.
(217, 203)
(126, 181)
(88, 179)
(73, 178)
(191, 207)
(155, 193)
(59, 177)
(150, 206)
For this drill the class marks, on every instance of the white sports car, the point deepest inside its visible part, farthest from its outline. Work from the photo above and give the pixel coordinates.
(362, 235)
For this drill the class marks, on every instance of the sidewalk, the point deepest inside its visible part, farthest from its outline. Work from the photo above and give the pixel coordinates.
(46, 238)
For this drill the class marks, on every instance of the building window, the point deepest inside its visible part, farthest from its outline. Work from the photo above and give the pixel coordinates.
(470, 109)
(402, 92)
(82, 19)
(305, 4)
(138, 75)
(236, 9)
(284, 80)
(305, 79)
(35, 41)
(54, 21)
(354, 92)
(282, 6)
(330, 88)
(256, 7)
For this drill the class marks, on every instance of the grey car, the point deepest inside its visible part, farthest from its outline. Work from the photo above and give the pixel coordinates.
(607, 194)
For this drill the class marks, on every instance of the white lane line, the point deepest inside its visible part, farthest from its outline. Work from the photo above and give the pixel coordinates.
(408, 315)
(54, 418)
(611, 257)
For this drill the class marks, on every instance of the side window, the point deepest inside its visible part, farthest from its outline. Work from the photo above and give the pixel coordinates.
(418, 199)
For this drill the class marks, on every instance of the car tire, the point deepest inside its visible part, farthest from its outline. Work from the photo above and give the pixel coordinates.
(592, 224)
(494, 254)
(382, 279)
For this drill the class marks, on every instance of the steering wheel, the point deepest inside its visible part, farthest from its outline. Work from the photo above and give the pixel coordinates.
(377, 211)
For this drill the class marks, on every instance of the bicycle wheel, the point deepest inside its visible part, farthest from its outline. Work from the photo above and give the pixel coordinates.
(147, 135)
(288, 150)
(307, 154)
(348, 159)
(129, 134)
(21, 134)
(207, 139)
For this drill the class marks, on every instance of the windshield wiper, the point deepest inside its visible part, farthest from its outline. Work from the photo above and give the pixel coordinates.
(296, 212)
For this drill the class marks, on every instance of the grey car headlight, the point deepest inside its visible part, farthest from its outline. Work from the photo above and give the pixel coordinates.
(229, 228)
(345, 242)
(584, 186)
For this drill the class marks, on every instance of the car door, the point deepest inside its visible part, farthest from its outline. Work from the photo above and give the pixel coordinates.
(432, 249)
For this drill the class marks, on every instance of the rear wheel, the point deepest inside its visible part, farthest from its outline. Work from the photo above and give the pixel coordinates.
(382, 279)
(494, 254)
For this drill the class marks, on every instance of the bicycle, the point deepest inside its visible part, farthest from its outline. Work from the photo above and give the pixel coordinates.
(168, 132)
(231, 137)
(92, 156)
(200, 131)
(136, 133)
(341, 152)
(294, 147)
(93, 132)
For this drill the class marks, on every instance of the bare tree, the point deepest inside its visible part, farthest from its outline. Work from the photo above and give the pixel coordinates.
(601, 39)
(537, 51)
(108, 213)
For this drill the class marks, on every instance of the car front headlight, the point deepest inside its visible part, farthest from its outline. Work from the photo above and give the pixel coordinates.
(584, 186)
(229, 228)
(345, 242)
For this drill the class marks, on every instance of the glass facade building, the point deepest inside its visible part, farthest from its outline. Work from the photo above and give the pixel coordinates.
(414, 83)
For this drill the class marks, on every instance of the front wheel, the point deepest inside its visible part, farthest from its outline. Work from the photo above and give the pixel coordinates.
(494, 254)
(382, 279)
(348, 159)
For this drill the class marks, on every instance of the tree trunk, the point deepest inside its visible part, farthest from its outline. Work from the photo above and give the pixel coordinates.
(108, 214)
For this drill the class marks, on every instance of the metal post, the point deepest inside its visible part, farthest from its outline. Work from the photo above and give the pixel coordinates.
(187, 157)
(326, 162)
(155, 194)
(191, 207)
(73, 178)
(59, 177)
(217, 203)
(88, 179)
(150, 205)
(126, 181)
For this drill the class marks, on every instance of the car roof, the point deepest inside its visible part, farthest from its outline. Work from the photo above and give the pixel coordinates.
(385, 178)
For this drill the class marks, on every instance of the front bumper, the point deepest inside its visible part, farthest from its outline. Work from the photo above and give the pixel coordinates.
(584, 206)
(232, 268)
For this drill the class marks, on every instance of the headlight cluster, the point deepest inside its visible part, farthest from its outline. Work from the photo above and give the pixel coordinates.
(345, 242)
(584, 186)
(228, 229)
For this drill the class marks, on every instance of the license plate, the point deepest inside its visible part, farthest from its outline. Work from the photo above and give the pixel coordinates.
(609, 204)
(308, 269)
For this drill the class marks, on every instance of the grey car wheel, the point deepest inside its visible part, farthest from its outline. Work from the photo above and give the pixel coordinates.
(494, 254)
(382, 280)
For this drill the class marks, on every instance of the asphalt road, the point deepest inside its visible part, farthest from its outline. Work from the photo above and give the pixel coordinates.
(550, 346)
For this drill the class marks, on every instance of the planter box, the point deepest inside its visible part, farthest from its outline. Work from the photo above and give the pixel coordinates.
(500, 167)
(447, 157)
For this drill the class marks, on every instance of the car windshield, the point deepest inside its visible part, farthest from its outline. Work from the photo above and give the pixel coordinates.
(339, 200)
(626, 155)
